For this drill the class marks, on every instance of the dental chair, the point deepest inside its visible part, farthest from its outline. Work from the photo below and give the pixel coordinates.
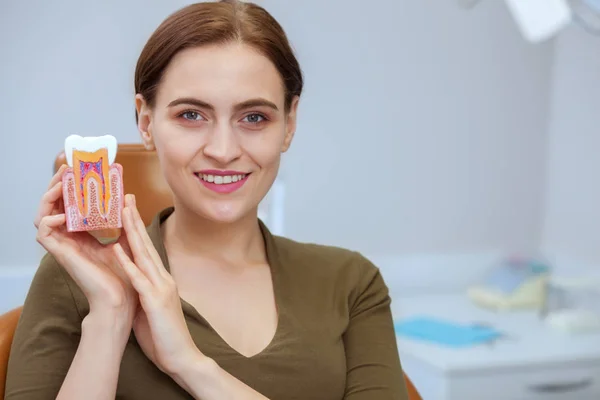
(143, 178)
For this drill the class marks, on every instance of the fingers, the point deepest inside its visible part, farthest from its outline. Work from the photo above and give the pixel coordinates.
(49, 239)
(139, 281)
(140, 252)
(49, 223)
(57, 176)
(125, 245)
(141, 229)
(51, 200)
(47, 227)
(49, 203)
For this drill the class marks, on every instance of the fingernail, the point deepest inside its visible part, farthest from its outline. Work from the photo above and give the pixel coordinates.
(133, 198)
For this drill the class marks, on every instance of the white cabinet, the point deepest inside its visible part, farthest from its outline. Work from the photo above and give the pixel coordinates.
(533, 362)
(563, 382)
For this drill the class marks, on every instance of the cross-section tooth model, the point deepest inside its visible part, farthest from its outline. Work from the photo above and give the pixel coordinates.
(93, 184)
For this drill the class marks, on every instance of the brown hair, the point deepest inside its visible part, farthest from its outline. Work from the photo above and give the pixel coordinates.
(220, 22)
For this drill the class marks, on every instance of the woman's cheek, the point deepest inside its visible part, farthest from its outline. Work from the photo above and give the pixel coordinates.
(264, 146)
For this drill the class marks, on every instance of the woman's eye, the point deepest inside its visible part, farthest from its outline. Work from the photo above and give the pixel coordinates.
(254, 118)
(192, 116)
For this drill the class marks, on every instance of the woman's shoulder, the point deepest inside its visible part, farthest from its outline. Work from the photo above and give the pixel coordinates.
(314, 259)
(51, 283)
(50, 274)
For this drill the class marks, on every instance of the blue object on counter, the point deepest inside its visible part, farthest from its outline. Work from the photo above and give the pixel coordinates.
(445, 332)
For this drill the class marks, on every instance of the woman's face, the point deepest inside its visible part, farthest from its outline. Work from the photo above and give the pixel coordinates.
(219, 127)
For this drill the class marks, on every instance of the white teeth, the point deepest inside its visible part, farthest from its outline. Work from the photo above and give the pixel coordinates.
(90, 144)
(222, 180)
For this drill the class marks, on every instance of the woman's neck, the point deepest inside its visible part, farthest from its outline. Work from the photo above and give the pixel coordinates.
(238, 242)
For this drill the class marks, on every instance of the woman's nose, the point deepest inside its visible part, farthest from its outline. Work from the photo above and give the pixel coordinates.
(223, 145)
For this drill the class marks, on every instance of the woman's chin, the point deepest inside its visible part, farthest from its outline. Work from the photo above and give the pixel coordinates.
(224, 213)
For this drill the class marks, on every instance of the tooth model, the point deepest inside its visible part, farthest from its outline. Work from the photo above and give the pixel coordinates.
(93, 184)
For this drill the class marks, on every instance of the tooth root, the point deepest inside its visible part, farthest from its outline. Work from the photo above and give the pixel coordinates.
(90, 144)
(90, 159)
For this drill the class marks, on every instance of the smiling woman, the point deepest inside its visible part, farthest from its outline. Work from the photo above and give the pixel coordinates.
(221, 98)
(219, 307)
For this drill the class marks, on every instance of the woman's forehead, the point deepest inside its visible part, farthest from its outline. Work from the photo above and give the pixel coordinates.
(225, 71)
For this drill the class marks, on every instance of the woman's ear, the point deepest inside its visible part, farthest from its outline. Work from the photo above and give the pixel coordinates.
(144, 121)
(290, 124)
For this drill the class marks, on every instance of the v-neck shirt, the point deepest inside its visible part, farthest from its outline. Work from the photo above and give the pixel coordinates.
(334, 339)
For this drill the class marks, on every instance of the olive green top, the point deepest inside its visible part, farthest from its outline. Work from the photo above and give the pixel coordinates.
(334, 340)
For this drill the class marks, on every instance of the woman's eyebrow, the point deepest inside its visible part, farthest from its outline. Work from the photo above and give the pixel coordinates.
(191, 101)
(257, 102)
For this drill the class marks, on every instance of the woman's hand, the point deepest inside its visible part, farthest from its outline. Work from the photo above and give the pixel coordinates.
(92, 265)
(159, 326)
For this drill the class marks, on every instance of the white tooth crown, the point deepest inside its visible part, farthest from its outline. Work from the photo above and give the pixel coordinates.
(90, 144)
(222, 179)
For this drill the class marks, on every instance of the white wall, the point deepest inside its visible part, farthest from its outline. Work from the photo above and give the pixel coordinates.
(572, 217)
(422, 128)
(67, 67)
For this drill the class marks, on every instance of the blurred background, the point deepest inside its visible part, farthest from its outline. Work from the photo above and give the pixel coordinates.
(454, 142)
